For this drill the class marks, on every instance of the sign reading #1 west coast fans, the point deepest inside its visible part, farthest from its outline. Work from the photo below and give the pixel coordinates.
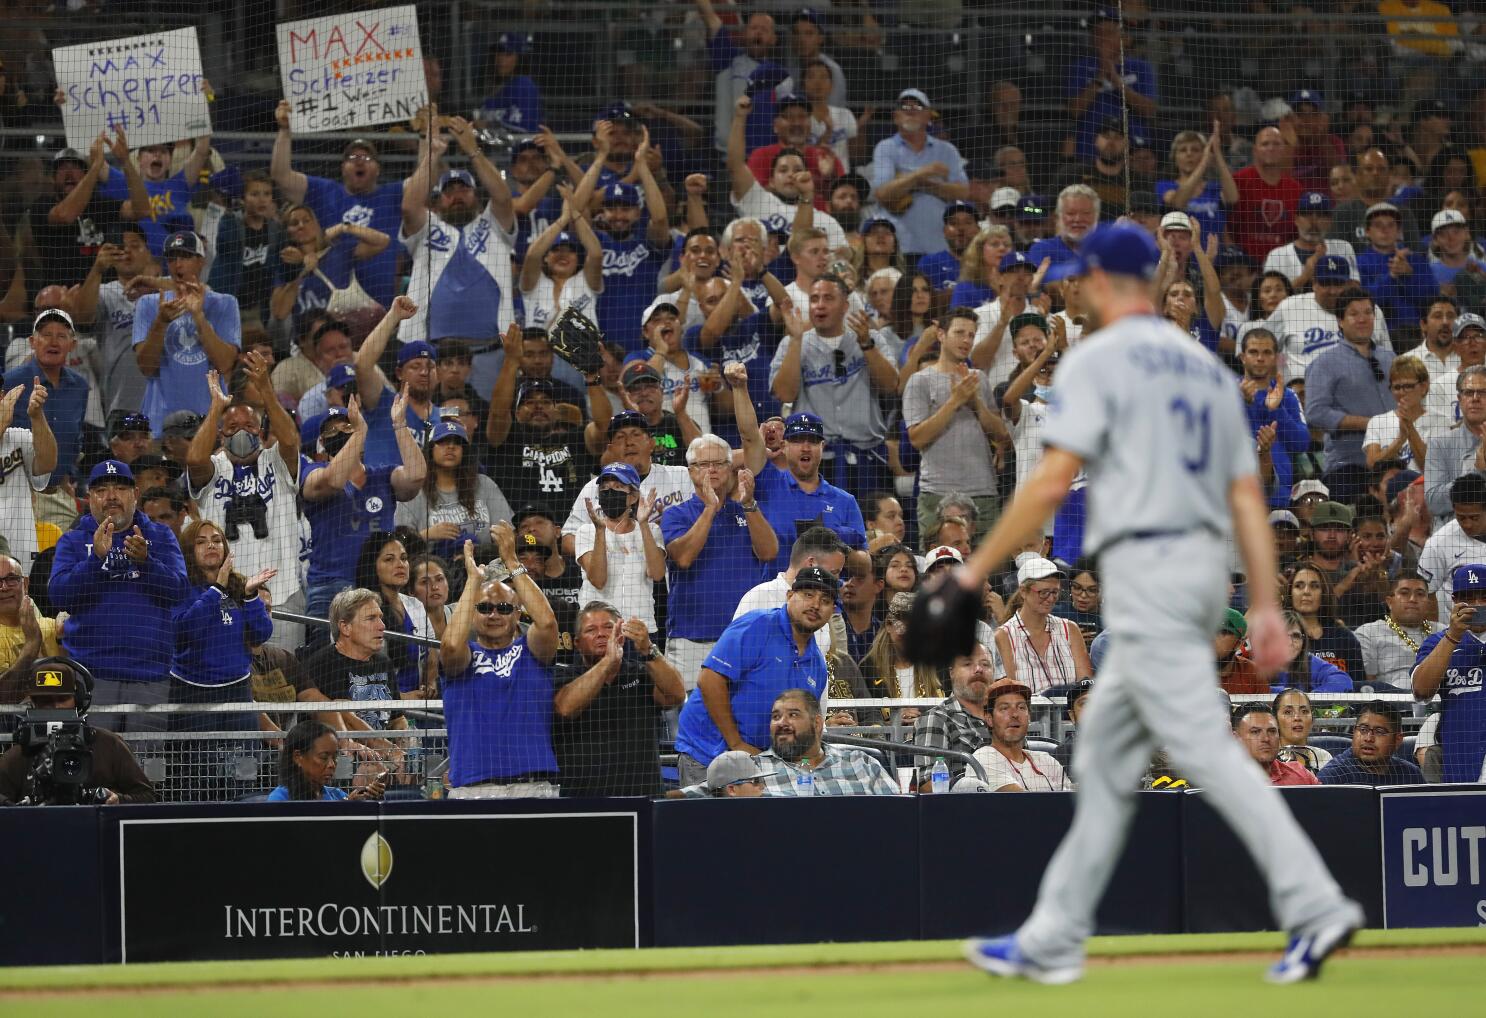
(345, 72)
(150, 85)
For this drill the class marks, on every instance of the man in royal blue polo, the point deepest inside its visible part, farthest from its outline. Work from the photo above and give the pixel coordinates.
(718, 546)
(119, 575)
(799, 495)
(760, 655)
(1452, 663)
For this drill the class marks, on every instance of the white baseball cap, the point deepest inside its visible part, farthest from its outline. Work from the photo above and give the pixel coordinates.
(1286, 517)
(1446, 217)
(664, 301)
(943, 553)
(1176, 221)
(1037, 568)
(58, 314)
(1004, 197)
(1305, 488)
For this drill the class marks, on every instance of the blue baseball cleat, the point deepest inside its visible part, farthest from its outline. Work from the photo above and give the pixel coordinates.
(1305, 954)
(1000, 956)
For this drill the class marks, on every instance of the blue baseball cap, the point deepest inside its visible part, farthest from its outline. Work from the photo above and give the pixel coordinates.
(803, 425)
(1332, 269)
(871, 221)
(781, 102)
(620, 193)
(340, 376)
(1016, 260)
(535, 387)
(330, 414)
(185, 242)
(621, 472)
(960, 206)
(526, 144)
(565, 239)
(1313, 201)
(618, 113)
(627, 419)
(414, 350)
(1232, 254)
(1121, 249)
(1032, 207)
(513, 42)
(1306, 96)
(1471, 576)
(111, 471)
(447, 428)
(455, 177)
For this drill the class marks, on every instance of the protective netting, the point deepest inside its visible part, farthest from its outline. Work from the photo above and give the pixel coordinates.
(343, 288)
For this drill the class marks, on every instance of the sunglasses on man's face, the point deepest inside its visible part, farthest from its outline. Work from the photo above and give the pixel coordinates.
(498, 607)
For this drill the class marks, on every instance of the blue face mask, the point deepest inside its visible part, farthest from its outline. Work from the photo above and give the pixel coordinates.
(1043, 392)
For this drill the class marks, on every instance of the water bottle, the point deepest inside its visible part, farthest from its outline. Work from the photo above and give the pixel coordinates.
(939, 776)
(804, 783)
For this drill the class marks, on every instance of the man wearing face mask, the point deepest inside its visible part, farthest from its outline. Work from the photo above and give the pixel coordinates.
(119, 575)
(249, 489)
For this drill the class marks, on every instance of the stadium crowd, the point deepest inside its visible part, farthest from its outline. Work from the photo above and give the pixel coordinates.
(620, 446)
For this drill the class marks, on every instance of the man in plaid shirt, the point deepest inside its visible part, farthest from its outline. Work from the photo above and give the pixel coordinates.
(797, 763)
(963, 721)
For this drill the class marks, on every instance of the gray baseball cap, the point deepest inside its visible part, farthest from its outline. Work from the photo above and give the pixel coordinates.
(1467, 321)
(732, 768)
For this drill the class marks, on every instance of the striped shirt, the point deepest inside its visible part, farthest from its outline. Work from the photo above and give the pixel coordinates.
(1038, 671)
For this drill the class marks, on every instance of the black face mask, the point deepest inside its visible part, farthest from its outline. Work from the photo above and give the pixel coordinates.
(613, 504)
(333, 444)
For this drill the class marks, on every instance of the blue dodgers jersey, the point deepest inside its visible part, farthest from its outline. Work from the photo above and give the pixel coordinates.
(759, 658)
(170, 206)
(380, 210)
(631, 271)
(1462, 737)
(181, 381)
(340, 524)
(499, 715)
(336, 264)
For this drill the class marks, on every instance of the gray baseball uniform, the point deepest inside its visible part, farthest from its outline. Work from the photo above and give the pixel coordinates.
(1160, 425)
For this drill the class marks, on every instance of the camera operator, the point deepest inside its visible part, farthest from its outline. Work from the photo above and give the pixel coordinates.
(248, 486)
(53, 684)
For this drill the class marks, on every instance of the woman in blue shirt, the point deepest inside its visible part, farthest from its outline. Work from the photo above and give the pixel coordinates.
(1306, 672)
(216, 627)
(307, 766)
(317, 263)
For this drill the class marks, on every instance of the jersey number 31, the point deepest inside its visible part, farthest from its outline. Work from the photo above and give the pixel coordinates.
(1196, 434)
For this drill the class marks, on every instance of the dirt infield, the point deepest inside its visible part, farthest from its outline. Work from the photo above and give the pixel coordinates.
(1257, 958)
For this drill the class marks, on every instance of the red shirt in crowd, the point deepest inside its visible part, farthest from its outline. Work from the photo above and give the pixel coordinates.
(1264, 217)
(822, 163)
(1284, 772)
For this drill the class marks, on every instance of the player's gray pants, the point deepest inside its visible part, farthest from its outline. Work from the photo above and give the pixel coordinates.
(1158, 687)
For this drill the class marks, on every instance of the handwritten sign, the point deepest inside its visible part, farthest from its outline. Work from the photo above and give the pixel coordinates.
(150, 85)
(345, 72)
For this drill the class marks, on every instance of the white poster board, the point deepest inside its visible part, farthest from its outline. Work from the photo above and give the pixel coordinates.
(150, 85)
(345, 72)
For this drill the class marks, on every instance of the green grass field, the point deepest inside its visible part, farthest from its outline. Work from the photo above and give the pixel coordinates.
(1141, 977)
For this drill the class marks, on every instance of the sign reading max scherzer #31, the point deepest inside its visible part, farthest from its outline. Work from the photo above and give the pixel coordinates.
(1434, 857)
(345, 72)
(149, 85)
(312, 886)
